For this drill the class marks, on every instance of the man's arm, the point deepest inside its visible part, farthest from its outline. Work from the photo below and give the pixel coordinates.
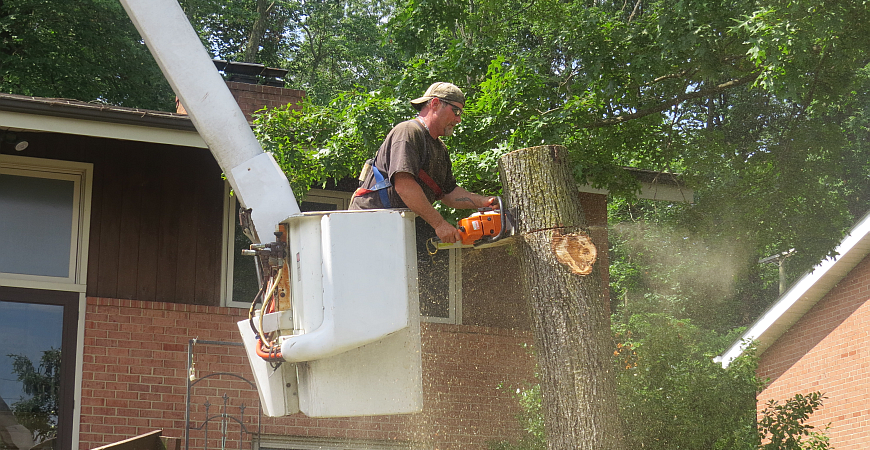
(459, 198)
(413, 196)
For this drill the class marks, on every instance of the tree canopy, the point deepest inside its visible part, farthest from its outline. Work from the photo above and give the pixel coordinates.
(762, 107)
(327, 46)
(84, 50)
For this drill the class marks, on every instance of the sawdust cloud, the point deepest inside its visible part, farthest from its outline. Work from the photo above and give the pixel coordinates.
(681, 273)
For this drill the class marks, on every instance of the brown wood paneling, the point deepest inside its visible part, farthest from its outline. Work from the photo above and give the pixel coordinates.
(156, 217)
(109, 195)
(149, 219)
(208, 244)
(186, 252)
(99, 179)
(167, 235)
(128, 257)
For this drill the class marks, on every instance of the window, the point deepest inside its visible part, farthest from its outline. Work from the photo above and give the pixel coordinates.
(439, 278)
(37, 366)
(320, 200)
(43, 258)
(46, 209)
(240, 272)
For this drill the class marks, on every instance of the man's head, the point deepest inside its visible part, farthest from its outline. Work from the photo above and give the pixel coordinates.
(441, 105)
(441, 90)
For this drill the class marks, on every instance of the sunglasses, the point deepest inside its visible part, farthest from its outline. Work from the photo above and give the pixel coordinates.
(457, 111)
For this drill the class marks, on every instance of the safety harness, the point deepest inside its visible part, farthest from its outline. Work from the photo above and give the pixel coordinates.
(381, 183)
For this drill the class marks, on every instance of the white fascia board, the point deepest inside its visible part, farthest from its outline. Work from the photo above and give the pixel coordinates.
(652, 191)
(51, 124)
(804, 293)
(666, 193)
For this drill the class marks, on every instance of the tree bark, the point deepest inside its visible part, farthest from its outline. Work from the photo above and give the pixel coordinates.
(257, 31)
(570, 322)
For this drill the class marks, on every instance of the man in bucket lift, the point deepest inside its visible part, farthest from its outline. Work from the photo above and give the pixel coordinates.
(412, 168)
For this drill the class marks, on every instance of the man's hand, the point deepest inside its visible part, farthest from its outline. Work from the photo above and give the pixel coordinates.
(459, 198)
(447, 233)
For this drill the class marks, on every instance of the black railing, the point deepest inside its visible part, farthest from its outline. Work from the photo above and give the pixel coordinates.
(231, 411)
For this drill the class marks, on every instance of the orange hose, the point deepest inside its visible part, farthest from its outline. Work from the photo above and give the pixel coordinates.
(268, 355)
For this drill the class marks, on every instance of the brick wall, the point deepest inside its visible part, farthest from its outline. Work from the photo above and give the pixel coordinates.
(824, 351)
(253, 97)
(134, 379)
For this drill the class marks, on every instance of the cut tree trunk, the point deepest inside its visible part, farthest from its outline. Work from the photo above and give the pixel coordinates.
(571, 327)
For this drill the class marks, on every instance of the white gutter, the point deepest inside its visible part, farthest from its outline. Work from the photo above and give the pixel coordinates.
(804, 293)
(82, 127)
(255, 177)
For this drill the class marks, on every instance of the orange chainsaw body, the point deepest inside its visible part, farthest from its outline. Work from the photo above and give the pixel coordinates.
(479, 225)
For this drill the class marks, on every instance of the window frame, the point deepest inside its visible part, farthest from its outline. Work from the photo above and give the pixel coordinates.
(454, 290)
(81, 174)
(341, 200)
(227, 250)
(69, 418)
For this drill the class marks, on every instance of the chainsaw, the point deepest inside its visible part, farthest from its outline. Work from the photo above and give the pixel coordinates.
(484, 228)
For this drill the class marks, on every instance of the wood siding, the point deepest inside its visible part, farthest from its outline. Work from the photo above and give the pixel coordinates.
(156, 217)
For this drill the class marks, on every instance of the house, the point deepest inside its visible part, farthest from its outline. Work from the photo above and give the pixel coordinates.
(810, 340)
(118, 246)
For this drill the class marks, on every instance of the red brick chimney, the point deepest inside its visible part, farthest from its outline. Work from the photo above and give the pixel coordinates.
(251, 96)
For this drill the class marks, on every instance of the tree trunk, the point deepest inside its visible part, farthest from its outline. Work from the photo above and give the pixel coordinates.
(571, 327)
(257, 31)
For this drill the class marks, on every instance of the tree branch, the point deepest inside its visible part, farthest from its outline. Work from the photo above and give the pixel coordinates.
(673, 102)
(634, 11)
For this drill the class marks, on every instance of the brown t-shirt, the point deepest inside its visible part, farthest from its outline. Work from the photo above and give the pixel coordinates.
(408, 148)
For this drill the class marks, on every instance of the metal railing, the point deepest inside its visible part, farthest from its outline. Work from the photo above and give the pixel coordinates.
(229, 413)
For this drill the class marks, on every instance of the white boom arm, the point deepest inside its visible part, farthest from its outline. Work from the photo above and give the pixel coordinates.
(255, 177)
(353, 323)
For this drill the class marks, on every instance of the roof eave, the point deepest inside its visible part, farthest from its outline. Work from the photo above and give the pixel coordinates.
(803, 294)
(79, 118)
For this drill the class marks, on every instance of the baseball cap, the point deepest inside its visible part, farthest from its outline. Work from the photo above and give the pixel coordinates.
(446, 91)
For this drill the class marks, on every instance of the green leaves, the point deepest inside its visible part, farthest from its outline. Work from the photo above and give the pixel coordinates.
(317, 144)
(86, 50)
(783, 425)
(805, 50)
(672, 395)
(38, 412)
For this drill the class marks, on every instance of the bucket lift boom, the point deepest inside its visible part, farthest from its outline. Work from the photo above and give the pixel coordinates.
(340, 323)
